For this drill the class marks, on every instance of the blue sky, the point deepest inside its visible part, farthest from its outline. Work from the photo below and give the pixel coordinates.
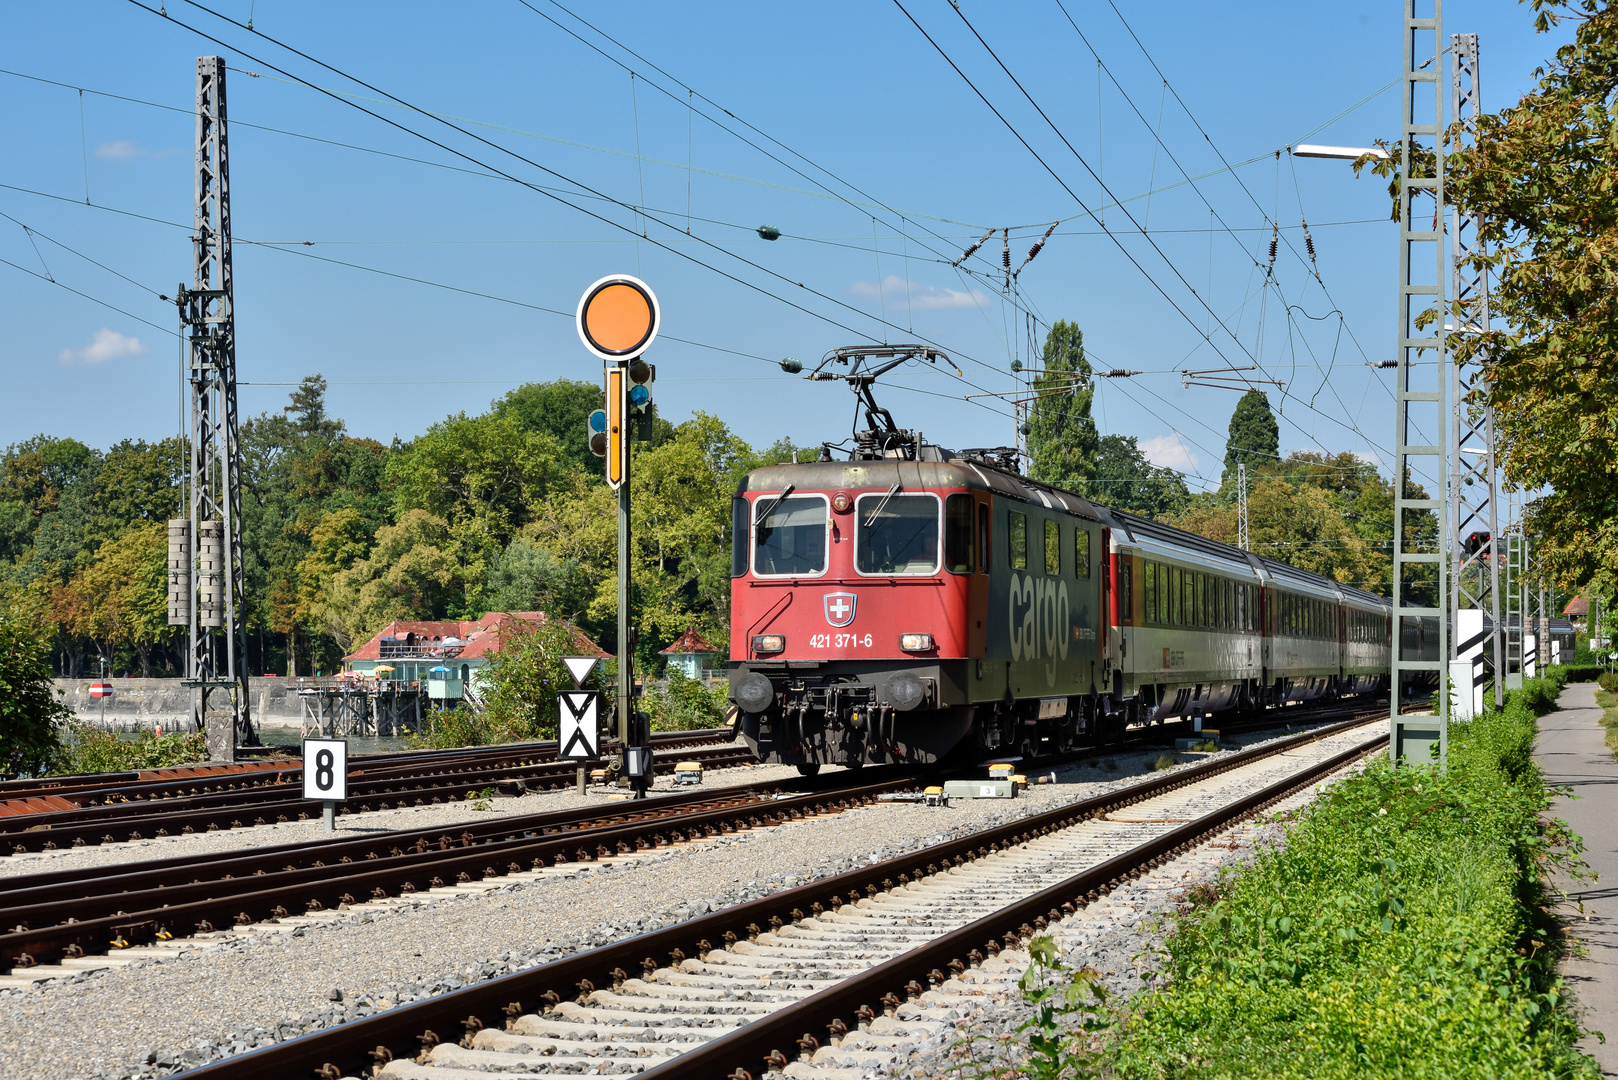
(848, 132)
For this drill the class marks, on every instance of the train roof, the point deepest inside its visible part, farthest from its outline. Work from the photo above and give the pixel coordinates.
(938, 467)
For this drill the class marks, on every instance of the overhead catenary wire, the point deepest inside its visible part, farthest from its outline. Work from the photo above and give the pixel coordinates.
(533, 187)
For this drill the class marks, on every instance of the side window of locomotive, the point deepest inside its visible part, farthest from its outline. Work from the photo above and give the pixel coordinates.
(896, 534)
(1017, 539)
(739, 514)
(789, 535)
(983, 538)
(958, 533)
(1081, 551)
(1053, 548)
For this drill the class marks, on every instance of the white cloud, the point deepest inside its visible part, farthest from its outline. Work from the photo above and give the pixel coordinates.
(123, 148)
(1169, 452)
(106, 345)
(921, 297)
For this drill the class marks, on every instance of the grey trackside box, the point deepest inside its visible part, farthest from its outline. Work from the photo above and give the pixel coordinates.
(980, 789)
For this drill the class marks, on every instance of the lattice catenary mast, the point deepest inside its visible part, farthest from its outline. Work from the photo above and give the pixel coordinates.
(1422, 422)
(205, 547)
(1475, 546)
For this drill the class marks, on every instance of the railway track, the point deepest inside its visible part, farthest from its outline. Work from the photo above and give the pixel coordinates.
(154, 784)
(279, 797)
(749, 987)
(74, 913)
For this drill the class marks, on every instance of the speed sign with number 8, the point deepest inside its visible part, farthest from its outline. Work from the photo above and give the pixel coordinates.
(325, 769)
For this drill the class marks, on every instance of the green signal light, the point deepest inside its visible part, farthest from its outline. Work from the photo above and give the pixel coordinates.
(639, 396)
(598, 421)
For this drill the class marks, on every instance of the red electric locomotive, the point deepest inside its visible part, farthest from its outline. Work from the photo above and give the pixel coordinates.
(912, 603)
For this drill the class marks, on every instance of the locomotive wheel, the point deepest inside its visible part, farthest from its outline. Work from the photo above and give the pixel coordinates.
(811, 769)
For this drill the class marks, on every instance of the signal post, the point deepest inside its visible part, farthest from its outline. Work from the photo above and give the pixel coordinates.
(618, 320)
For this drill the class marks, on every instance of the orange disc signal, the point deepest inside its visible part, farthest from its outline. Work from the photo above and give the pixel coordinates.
(618, 317)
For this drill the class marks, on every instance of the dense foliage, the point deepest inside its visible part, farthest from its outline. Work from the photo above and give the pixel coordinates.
(1062, 438)
(1254, 437)
(30, 714)
(506, 510)
(1399, 932)
(1124, 478)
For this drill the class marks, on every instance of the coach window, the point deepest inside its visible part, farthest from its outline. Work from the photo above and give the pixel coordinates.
(1053, 548)
(1150, 594)
(896, 534)
(738, 536)
(1081, 551)
(958, 526)
(983, 538)
(789, 535)
(1017, 539)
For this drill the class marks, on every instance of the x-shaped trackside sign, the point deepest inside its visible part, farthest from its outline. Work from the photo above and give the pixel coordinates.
(578, 734)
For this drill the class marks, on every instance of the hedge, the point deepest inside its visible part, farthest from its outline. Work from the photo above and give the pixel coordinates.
(1401, 931)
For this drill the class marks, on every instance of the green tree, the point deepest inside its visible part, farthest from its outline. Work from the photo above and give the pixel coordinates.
(486, 469)
(31, 717)
(1062, 437)
(1126, 480)
(561, 410)
(1540, 178)
(122, 597)
(529, 577)
(138, 483)
(1291, 523)
(1254, 438)
(410, 573)
(520, 684)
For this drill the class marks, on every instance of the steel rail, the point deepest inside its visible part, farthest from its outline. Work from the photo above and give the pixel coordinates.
(124, 822)
(150, 784)
(770, 1041)
(351, 1048)
(182, 909)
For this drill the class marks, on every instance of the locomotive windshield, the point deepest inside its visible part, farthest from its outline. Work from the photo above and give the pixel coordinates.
(897, 534)
(789, 535)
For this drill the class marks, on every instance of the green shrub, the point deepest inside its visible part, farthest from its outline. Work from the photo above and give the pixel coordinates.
(687, 704)
(1399, 932)
(447, 729)
(1608, 681)
(89, 749)
(31, 717)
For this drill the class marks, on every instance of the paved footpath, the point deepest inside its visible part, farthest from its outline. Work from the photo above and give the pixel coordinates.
(1573, 752)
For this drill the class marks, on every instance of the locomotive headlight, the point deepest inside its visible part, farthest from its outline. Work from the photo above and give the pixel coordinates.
(769, 643)
(840, 502)
(916, 642)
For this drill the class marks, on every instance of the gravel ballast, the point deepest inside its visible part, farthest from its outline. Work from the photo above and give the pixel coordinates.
(200, 999)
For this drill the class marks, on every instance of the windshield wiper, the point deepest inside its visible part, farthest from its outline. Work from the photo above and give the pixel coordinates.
(892, 491)
(764, 515)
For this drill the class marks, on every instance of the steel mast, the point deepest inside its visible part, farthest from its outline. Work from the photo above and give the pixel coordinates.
(1422, 422)
(206, 575)
(1475, 545)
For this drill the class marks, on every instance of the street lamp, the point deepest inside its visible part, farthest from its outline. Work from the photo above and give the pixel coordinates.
(1339, 153)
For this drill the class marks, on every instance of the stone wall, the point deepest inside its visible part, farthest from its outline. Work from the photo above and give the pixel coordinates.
(149, 702)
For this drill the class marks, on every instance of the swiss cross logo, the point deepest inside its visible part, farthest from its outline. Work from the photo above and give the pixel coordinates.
(840, 608)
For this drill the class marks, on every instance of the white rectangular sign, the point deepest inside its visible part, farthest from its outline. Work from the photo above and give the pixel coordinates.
(578, 734)
(325, 769)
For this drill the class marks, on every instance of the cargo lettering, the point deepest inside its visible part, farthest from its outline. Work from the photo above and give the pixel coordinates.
(1040, 620)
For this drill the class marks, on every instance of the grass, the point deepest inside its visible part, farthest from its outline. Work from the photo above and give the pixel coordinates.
(1609, 717)
(1164, 761)
(1402, 931)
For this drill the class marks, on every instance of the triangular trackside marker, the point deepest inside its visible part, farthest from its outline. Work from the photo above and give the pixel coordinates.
(580, 666)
